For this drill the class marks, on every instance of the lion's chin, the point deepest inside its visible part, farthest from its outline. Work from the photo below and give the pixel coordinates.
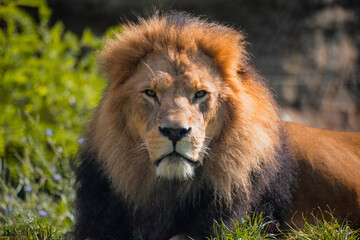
(172, 167)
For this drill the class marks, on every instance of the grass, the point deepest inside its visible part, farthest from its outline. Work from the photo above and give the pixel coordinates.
(31, 227)
(254, 227)
(324, 229)
(250, 227)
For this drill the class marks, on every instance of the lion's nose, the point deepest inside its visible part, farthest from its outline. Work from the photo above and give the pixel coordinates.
(174, 134)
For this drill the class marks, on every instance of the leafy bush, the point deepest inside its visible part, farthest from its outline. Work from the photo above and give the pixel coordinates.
(48, 86)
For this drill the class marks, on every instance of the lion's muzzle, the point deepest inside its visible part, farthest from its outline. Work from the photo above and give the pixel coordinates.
(178, 164)
(175, 137)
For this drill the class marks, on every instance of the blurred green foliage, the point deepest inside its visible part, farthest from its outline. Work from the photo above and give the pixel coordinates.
(48, 86)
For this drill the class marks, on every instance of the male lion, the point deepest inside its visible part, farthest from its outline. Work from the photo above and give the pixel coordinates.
(187, 133)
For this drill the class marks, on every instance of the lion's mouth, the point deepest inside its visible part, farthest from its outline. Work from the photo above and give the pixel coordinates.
(176, 154)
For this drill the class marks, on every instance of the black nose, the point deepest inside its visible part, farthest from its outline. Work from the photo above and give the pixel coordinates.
(174, 134)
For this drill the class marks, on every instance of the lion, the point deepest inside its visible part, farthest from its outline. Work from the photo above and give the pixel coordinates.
(187, 133)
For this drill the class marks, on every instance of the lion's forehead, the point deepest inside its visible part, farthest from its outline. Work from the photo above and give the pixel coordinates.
(163, 73)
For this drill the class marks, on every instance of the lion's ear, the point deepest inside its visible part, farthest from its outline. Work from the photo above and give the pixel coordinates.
(243, 67)
(241, 71)
(120, 56)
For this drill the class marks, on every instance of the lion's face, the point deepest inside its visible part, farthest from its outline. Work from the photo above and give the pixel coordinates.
(176, 111)
(181, 97)
(176, 106)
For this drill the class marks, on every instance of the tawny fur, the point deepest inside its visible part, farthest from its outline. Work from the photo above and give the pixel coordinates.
(329, 178)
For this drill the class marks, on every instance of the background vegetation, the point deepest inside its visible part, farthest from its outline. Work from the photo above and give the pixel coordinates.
(49, 85)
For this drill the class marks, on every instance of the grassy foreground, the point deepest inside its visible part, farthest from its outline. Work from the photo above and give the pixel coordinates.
(251, 227)
(254, 228)
(29, 228)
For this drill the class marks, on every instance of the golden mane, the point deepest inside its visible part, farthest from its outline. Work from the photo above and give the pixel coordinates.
(250, 131)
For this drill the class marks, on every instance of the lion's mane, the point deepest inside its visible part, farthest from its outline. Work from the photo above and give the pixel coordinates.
(247, 168)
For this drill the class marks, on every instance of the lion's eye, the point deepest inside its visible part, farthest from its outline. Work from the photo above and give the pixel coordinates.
(200, 94)
(150, 93)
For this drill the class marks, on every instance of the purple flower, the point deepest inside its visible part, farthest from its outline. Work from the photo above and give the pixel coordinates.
(21, 181)
(28, 188)
(81, 140)
(57, 177)
(8, 210)
(49, 132)
(42, 213)
(10, 198)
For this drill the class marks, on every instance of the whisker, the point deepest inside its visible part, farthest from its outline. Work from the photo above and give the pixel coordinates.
(142, 146)
(152, 72)
(205, 152)
(139, 148)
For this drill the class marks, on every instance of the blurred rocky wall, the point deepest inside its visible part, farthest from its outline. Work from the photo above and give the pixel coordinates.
(308, 50)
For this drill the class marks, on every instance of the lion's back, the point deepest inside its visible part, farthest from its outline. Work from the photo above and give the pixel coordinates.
(329, 171)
